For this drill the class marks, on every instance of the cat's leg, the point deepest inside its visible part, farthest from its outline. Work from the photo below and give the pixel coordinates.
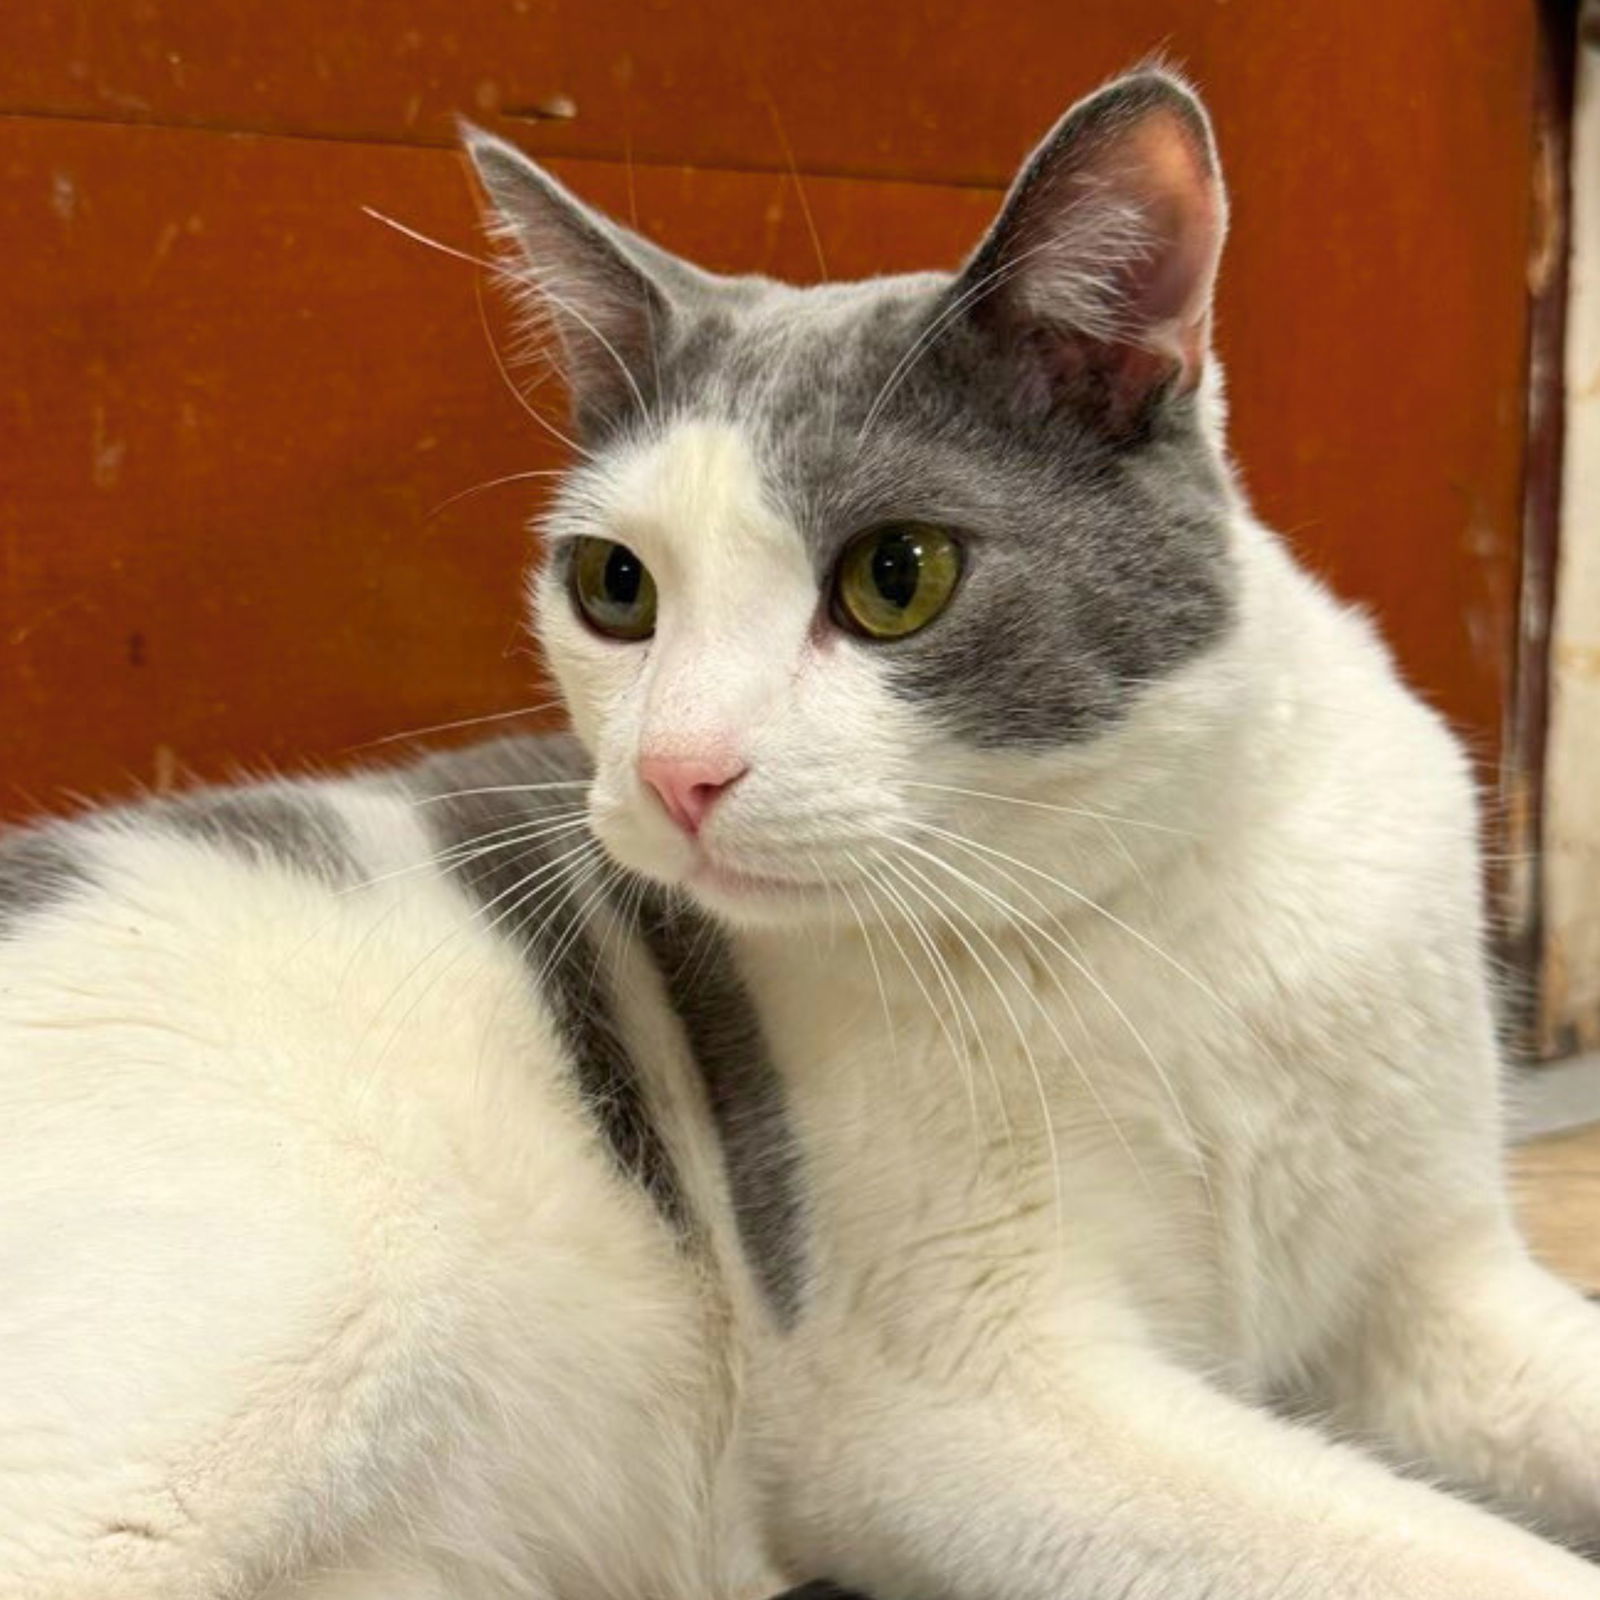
(204, 1378)
(234, 1358)
(1120, 1475)
(1481, 1365)
(302, 1256)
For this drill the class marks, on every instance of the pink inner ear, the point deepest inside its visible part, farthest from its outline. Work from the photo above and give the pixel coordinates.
(1099, 270)
(1158, 166)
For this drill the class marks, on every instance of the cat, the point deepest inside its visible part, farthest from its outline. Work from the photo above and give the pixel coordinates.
(970, 1072)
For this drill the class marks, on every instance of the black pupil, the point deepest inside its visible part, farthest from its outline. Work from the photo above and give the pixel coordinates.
(624, 576)
(897, 568)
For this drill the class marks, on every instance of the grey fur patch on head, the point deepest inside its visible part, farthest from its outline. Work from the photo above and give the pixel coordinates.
(521, 855)
(1093, 564)
(760, 1155)
(280, 824)
(1040, 408)
(38, 869)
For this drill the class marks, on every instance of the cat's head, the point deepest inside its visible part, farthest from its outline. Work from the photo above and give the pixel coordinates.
(845, 573)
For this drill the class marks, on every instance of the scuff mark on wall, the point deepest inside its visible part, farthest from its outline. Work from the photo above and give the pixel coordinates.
(106, 454)
(163, 248)
(64, 196)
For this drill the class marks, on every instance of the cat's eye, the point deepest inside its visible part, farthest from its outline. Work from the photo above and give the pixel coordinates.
(612, 589)
(894, 580)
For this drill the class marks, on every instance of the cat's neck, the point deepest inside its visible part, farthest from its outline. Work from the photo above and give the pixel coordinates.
(1141, 830)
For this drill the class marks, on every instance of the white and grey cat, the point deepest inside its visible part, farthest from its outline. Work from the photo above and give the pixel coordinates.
(984, 1025)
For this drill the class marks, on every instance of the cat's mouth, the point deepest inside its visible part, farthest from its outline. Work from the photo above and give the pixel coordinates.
(762, 897)
(765, 878)
(734, 882)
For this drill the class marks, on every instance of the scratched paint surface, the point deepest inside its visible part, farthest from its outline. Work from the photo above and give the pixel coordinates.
(228, 401)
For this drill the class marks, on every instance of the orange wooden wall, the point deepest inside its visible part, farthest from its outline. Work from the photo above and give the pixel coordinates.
(229, 400)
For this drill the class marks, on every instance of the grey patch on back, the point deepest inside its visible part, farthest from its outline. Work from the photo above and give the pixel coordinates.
(484, 808)
(468, 797)
(286, 826)
(38, 869)
(760, 1155)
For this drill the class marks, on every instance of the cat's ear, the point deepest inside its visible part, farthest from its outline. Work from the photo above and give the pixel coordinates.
(1097, 277)
(606, 294)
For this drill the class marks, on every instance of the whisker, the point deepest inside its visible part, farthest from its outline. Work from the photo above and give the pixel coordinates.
(1016, 1026)
(614, 944)
(569, 936)
(794, 174)
(417, 237)
(525, 832)
(987, 284)
(827, 883)
(959, 1004)
(644, 297)
(450, 727)
(1104, 1110)
(1110, 916)
(584, 850)
(501, 788)
(963, 1064)
(540, 287)
(1134, 865)
(678, 907)
(1046, 805)
(576, 864)
(1088, 974)
(562, 863)
(522, 400)
(604, 895)
(701, 954)
(524, 281)
(877, 974)
(493, 483)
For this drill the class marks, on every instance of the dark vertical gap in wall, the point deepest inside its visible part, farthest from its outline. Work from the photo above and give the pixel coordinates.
(1527, 714)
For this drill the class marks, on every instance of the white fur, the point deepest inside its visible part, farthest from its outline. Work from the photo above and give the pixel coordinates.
(1207, 1119)
(380, 1303)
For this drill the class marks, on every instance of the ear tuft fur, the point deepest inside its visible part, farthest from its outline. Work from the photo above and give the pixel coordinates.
(586, 280)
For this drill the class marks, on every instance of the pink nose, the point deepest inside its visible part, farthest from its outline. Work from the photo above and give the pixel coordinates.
(688, 788)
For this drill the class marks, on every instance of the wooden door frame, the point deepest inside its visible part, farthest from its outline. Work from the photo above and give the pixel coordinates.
(1543, 888)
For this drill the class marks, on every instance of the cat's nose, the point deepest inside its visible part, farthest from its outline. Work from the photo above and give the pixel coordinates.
(688, 787)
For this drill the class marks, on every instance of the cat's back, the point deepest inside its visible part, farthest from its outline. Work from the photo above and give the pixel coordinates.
(301, 1190)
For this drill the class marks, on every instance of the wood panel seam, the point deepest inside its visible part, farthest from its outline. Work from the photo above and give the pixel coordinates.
(429, 146)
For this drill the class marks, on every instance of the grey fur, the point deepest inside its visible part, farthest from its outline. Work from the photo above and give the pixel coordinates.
(606, 292)
(743, 1091)
(37, 870)
(285, 825)
(759, 1152)
(819, 1589)
(550, 928)
(1096, 545)
(1094, 564)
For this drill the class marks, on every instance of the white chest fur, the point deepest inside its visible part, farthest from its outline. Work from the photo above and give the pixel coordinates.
(1195, 1093)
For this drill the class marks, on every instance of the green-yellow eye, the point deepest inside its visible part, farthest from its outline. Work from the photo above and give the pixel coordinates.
(613, 589)
(896, 579)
